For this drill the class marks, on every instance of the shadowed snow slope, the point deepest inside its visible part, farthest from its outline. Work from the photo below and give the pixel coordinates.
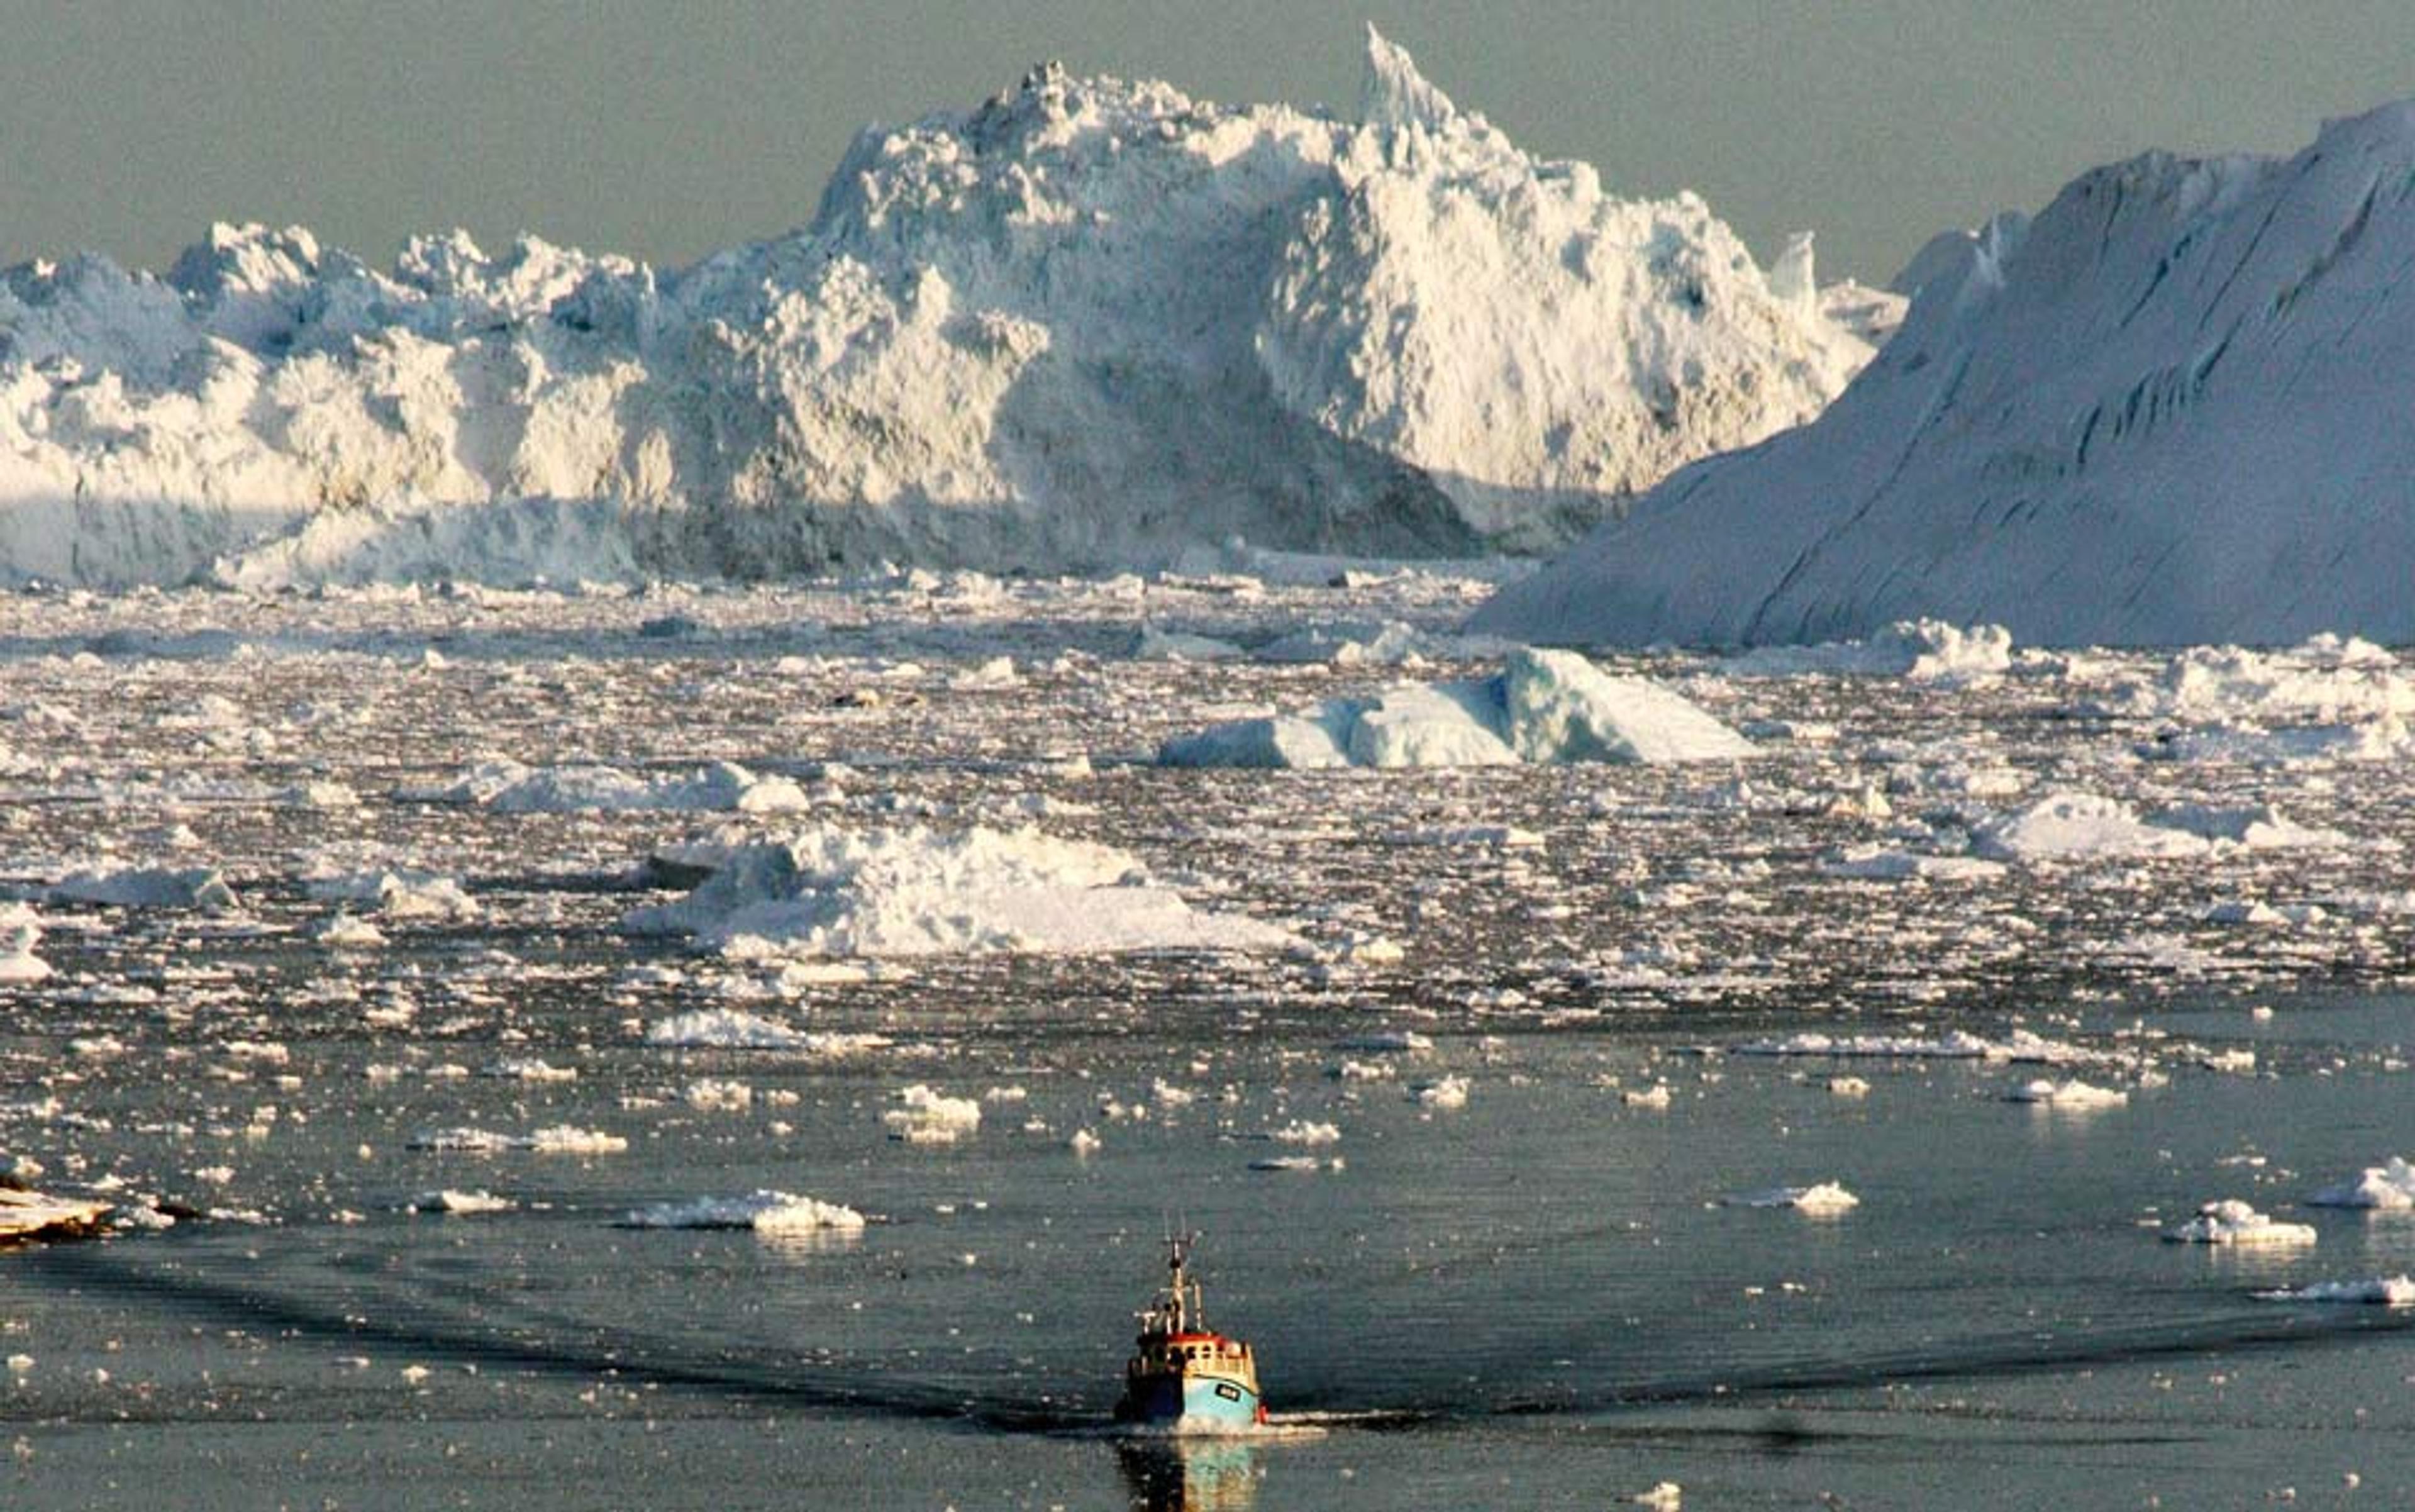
(1087, 324)
(2171, 409)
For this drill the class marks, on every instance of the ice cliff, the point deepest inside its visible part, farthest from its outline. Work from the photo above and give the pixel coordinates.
(2171, 409)
(1087, 324)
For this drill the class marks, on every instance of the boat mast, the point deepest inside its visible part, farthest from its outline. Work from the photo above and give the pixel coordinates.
(1190, 1310)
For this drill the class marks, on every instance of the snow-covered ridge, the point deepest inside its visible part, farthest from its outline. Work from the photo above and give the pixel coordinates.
(1092, 322)
(2168, 411)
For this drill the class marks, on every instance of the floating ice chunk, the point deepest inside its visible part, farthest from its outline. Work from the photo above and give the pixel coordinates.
(561, 1139)
(1958, 1046)
(397, 894)
(1301, 1131)
(1444, 1092)
(718, 1028)
(1666, 1496)
(1279, 741)
(1447, 725)
(351, 931)
(529, 1069)
(27, 1214)
(1919, 651)
(996, 672)
(2382, 1291)
(930, 1117)
(1655, 1096)
(21, 930)
(1294, 1162)
(1156, 644)
(830, 892)
(139, 887)
(2075, 1095)
(2254, 826)
(1822, 1200)
(1388, 645)
(2390, 1187)
(1388, 1042)
(2070, 826)
(764, 1211)
(1878, 864)
(1084, 1143)
(2232, 1221)
(1848, 1086)
(451, 1201)
(708, 1094)
(509, 787)
(1545, 706)
(566, 1139)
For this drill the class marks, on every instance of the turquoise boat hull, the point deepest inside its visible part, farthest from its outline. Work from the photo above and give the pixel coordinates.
(1189, 1401)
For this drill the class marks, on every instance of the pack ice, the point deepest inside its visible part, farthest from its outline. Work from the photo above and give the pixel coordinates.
(1089, 324)
(1544, 707)
(2168, 411)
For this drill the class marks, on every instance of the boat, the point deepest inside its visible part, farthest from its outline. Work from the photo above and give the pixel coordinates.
(1183, 1374)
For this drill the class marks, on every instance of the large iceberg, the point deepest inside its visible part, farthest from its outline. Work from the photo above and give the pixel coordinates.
(1091, 323)
(2169, 410)
(1544, 707)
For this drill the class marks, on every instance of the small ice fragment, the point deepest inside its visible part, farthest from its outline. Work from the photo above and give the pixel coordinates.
(930, 1117)
(2382, 1291)
(2388, 1188)
(1446, 1092)
(1085, 1143)
(1821, 1200)
(765, 1212)
(2231, 1221)
(2072, 1095)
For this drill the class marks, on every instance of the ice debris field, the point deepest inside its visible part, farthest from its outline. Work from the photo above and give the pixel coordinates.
(382, 926)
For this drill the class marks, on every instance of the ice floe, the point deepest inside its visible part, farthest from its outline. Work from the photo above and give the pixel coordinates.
(1546, 707)
(2390, 1186)
(885, 892)
(452, 1200)
(199, 888)
(397, 894)
(723, 1029)
(2070, 1096)
(2232, 1221)
(764, 1211)
(1820, 1200)
(2380, 1291)
(931, 1117)
(509, 787)
(1920, 651)
(21, 930)
(558, 1139)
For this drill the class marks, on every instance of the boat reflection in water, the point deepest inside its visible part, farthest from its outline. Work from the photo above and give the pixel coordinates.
(1191, 1474)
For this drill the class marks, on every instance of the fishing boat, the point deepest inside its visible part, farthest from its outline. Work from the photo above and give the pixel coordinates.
(1183, 1374)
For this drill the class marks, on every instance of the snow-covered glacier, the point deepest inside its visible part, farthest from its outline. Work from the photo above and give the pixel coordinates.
(2170, 409)
(1093, 323)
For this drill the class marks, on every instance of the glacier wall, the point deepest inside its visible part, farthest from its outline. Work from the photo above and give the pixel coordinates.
(1087, 325)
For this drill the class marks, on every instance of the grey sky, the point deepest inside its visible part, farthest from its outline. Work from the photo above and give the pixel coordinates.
(669, 131)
